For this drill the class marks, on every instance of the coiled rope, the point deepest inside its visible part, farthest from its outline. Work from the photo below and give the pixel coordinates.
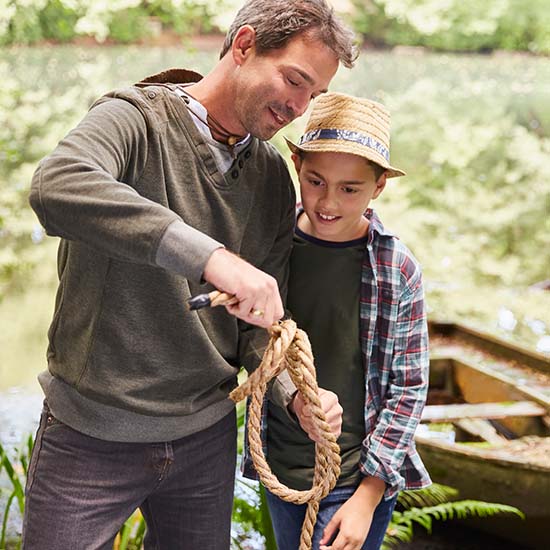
(289, 348)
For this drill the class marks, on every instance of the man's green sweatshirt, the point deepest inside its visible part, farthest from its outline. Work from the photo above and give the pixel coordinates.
(126, 360)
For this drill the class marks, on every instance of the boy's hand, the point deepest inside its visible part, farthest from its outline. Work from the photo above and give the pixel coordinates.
(331, 407)
(259, 301)
(353, 520)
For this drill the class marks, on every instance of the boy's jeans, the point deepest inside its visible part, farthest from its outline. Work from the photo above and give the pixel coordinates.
(80, 490)
(287, 519)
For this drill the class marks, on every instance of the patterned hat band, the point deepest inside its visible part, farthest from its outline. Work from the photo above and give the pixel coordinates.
(346, 135)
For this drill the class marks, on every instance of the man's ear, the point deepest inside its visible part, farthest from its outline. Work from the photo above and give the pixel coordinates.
(380, 184)
(243, 44)
(297, 160)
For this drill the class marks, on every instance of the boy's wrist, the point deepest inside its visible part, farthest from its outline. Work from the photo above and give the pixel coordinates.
(371, 489)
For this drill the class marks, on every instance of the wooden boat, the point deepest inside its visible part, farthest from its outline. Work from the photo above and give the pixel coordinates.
(486, 428)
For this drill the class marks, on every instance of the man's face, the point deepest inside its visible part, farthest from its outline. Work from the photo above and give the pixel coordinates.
(274, 88)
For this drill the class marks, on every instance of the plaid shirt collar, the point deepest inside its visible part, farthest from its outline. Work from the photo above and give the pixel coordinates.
(376, 226)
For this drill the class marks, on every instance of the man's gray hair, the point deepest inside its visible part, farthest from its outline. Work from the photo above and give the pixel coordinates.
(277, 21)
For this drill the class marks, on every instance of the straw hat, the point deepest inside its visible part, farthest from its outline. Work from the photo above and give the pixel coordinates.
(340, 123)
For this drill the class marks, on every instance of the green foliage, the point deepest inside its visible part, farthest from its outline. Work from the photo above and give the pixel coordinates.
(57, 21)
(132, 533)
(186, 17)
(129, 25)
(434, 506)
(16, 471)
(123, 21)
(19, 22)
(521, 28)
(432, 495)
(456, 25)
(27, 119)
(477, 167)
(250, 511)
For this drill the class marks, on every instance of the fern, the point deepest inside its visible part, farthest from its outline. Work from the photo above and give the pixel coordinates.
(434, 494)
(434, 506)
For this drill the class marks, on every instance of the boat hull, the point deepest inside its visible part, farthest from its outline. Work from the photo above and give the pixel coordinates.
(477, 475)
(470, 367)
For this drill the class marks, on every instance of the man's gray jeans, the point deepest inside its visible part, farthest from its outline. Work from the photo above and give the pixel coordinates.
(80, 490)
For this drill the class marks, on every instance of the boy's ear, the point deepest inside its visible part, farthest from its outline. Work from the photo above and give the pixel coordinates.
(380, 184)
(297, 160)
(243, 44)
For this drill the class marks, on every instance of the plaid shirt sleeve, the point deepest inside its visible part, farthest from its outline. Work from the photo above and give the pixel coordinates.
(386, 447)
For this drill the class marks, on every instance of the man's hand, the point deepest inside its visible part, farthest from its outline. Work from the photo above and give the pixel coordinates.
(331, 407)
(259, 301)
(353, 520)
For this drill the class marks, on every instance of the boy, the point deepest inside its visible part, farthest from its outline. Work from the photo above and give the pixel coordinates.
(357, 291)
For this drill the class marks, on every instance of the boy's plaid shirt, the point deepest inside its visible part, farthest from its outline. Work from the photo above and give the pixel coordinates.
(394, 343)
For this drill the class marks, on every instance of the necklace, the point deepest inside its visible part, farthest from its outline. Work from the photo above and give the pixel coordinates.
(219, 133)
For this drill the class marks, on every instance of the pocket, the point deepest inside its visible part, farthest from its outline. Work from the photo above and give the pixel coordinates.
(37, 447)
(388, 308)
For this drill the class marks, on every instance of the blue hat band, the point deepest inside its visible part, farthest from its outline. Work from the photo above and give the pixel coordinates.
(346, 135)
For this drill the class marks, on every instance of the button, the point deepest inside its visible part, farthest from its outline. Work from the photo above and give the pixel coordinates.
(235, 174)
(247, 155)
(151, 95)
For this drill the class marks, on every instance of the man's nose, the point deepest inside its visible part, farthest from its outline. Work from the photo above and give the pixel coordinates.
(299, 103)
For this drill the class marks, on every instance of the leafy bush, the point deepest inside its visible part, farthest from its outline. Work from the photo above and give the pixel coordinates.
(456, 25)
(187, 17)
(124, 21)
(20, 22)
(27, 120)
(471, 170)
(57, 21)
(129, 25)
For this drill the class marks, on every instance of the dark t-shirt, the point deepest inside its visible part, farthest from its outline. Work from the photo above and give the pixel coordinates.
(323, 296)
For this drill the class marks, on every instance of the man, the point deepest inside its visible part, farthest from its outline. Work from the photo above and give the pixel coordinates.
(162, 187)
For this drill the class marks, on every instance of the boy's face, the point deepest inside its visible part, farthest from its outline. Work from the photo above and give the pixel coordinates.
(273, 88)
(336, 189)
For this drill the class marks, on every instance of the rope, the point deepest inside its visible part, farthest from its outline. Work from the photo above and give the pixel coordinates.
(289, 348)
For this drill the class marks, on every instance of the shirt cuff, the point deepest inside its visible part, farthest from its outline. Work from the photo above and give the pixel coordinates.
(281, 392)
(185, 250)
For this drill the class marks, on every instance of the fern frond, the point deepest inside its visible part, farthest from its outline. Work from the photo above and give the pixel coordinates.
(460, 510)
(397, 533)
(400, 528)
(430, 496)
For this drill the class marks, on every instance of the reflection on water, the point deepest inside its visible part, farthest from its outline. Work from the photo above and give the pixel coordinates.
(19, 415)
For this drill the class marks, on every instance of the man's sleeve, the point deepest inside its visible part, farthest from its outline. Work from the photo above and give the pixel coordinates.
(84, 191)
